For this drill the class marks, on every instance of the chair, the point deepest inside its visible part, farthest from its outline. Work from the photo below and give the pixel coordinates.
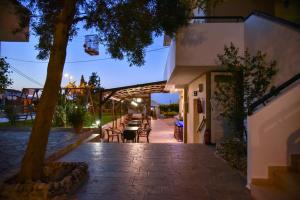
(111, 133)
(146, 126)
(144, 133)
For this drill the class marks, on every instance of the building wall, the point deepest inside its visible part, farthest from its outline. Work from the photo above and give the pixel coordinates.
(9, 23)
(181, 103)
(280, 42)
(194, 118)
(289, 11)
(170, 64)
(241, 7)
(274, 134)
(199, 44)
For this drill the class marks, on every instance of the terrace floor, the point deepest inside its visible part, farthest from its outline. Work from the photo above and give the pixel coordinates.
(156, 171)
(162, 131)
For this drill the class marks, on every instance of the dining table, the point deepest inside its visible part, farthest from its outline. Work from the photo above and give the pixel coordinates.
(134, 123)
(130, 132)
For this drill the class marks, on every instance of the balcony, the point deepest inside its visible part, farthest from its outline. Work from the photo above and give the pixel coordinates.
(196, 48)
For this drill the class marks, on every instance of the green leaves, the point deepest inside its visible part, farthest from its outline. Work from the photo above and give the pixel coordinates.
(251, 77)
(5, 81)
(126, 28)
(94, 81)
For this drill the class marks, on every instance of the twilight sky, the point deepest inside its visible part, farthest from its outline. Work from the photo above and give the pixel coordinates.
(113, 73)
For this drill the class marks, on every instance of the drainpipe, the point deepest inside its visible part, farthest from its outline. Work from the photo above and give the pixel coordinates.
(100, 111)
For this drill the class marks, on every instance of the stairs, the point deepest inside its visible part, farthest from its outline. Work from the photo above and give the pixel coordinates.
(283, 183)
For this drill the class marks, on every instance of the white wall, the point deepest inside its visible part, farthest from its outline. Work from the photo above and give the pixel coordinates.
(170, 64)
(193, 135)
(274, 134)
(280, 42)
(196, 48)
(199, 44)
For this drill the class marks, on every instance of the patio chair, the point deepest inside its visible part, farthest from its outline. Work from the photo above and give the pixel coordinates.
(111, 133)
(146, 126)
(144, 133)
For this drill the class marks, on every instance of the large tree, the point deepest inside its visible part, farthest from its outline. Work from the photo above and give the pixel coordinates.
(125, 27)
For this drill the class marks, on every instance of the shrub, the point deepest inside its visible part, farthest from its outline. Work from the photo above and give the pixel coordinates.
(11, 114)
(234, 150)
(169, 114)
(76, 115)
(59, 118)
(169, 107)
(89, 119)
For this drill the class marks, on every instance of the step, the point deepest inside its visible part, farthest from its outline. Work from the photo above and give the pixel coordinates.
(295, 162)
(289, 181)
(269, 192)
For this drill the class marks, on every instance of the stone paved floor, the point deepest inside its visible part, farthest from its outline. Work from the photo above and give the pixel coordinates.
(162, 131)
(13, 145)
(156, 171)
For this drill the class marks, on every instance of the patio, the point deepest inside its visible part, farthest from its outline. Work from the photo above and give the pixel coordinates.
(156, 171)
(162, 132)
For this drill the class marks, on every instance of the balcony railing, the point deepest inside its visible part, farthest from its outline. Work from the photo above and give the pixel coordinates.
(216, 19)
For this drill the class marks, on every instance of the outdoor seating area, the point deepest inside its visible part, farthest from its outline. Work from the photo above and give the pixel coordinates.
(131, 129)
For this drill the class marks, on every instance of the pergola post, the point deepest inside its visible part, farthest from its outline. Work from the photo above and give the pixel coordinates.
(121, 111)
(113, 113)
(100, 111)
(148, 107)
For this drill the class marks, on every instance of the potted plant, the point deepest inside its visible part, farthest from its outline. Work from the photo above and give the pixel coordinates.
(76, 118)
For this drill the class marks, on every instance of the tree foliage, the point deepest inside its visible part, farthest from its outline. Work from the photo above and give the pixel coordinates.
(82, 83)
(249, 78)
(125, 28)
(94, 81)
(5, 81)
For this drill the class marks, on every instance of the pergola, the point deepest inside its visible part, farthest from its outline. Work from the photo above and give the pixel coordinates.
(127, 93)
(135, 91)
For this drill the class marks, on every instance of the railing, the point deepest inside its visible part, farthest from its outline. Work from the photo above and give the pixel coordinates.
(217, 19)
(273, 93)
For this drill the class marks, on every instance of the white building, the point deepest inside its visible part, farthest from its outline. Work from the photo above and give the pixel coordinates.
(192, 71)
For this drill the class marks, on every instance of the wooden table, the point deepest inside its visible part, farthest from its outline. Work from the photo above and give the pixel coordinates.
(134, 123)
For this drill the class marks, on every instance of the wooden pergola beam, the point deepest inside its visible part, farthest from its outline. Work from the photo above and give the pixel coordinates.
(109, 96)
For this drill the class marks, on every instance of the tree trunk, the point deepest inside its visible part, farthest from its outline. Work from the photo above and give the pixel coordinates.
(33, 160)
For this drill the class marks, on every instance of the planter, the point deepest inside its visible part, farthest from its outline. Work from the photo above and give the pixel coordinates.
(78, 127)
(60, 179)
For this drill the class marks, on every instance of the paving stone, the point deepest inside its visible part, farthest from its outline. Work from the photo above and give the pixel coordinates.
(13, 146)
(201, 175)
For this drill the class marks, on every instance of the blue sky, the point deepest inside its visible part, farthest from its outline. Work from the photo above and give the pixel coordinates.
(113, 73)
